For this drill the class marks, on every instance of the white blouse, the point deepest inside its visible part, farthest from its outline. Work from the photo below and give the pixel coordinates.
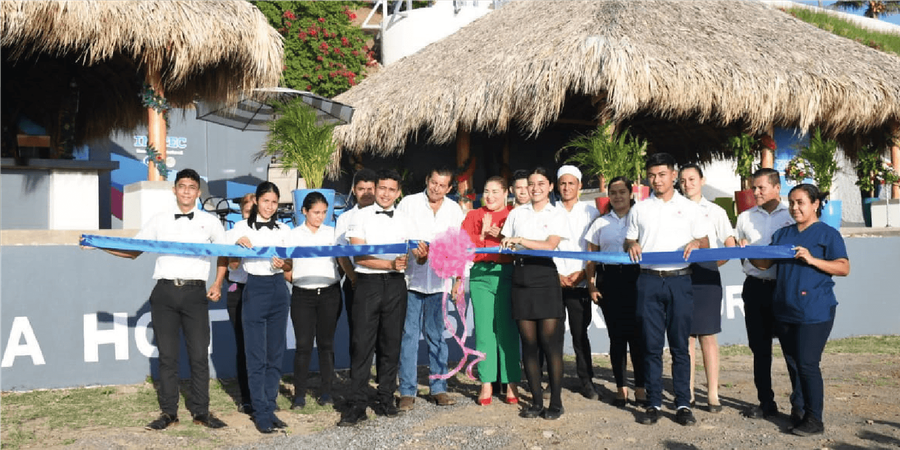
(313, 273)
(277, 237)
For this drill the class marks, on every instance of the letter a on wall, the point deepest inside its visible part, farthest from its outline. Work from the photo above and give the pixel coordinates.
(21, 328)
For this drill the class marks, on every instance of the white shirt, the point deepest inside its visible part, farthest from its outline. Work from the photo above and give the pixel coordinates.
(580, 219)
(204, 228)
(757, 226)
(378, 229)
(343, 222)
(238, 275)
(426, 224)
(608, 232)
(717, 225)
(660, 226)
(313, 273)
(533, 225)
(264, 237)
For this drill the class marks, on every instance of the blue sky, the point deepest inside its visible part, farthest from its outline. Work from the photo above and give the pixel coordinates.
(893, 18)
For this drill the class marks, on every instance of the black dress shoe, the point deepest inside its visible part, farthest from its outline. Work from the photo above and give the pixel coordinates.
(325, 399)
(685, 417)
(809, 426)
(588, 391)
(162, 422)
(714, 408)
(758, 412)
(246, 408)
(209, 420)
(266, 430)
(386, 409)
(553, 412)
(278, 423)
(650, 417)
(620, 402)
(532, 412)
(299, 403)
(353, 416)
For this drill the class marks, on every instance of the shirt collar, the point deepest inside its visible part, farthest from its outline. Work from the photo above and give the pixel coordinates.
(781, 206)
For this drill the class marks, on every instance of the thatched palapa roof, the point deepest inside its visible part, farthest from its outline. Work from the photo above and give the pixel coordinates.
(665, 67)
(211, 50)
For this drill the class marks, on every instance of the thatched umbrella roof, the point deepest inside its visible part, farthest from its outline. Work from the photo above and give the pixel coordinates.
(659, 66)
(211, 50)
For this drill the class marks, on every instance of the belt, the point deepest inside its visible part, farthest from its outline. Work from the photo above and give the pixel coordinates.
(620, 268)
(379, 276)
(318, 291)
(533, 261)
(667, 273)
(178, 282)
(761, 280)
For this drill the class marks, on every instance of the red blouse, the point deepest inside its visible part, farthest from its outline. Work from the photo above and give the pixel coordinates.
(473, 225)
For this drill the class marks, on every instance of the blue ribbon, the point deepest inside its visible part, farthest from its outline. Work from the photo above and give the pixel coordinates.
(235, 251)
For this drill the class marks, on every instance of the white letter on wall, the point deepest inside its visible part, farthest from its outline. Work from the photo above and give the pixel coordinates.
(118, 336)
(21, 328)
(140, 337)
(733, 299)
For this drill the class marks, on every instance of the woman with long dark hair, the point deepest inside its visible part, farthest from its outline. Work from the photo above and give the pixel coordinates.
(707, 284)
(537, 304)
(265, 305)
(615, 290)
(804, 305)
(315, 300)
(490, 281)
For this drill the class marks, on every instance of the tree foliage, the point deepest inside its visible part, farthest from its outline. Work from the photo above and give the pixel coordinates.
(323, 52)
(873, 8)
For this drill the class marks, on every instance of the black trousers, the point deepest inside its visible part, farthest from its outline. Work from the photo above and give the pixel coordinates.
(378, 314)
(175, 310)
(760, 321)
(619, 306)
(578, 309)
(235, 307)
(314, 314)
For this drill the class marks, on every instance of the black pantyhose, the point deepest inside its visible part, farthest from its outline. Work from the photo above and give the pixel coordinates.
(546, 334)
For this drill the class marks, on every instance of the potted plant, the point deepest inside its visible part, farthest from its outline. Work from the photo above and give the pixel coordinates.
(744, 147)
(606, 155)
(817, 159)
(872, 172)
(302, 145)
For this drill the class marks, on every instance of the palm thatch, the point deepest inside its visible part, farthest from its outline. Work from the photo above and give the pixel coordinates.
(212, 50)
(655, 66)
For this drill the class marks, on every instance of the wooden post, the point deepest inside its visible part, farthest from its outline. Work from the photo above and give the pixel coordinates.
(463, 141)
(767, 158)
(894, 130)
(156, 126)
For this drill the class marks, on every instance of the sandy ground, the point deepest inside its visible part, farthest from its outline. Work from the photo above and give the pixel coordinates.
(862, 411)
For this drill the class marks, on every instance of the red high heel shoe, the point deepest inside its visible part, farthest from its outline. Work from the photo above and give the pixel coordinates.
(511, 400)
(484, 401)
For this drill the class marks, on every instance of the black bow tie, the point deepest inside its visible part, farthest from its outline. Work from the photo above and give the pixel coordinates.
(189, 215)
(270, 225)
(387, 213)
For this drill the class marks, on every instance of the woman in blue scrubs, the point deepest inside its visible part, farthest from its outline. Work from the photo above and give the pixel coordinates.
(804, 303)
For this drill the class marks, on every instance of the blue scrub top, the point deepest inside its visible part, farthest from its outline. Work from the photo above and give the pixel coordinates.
(804, 294)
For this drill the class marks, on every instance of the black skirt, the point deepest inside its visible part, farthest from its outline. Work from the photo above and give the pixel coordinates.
(536, 292)
(707, 284)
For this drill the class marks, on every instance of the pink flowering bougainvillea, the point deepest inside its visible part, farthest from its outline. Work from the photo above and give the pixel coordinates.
(323, 52)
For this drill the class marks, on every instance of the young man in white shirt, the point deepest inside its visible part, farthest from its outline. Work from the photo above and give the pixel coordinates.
(756, 226)
(364, 191)
(379, 303)
(666, 221)
(579, 308)
(429, 213)
(178, 303)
